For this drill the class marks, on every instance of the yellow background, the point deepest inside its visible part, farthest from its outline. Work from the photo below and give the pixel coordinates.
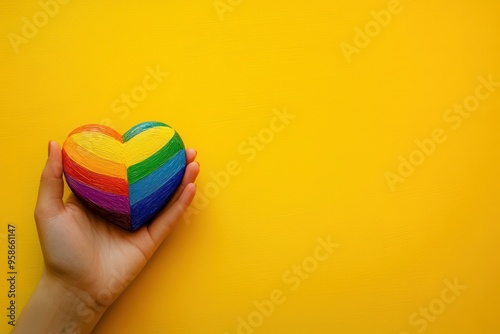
(322, 175)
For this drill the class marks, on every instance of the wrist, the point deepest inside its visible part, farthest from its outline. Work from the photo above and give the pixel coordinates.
(59, 308)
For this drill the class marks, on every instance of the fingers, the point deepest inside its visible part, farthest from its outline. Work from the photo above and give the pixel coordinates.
(190, 155)
(163, 224)
(50, 193)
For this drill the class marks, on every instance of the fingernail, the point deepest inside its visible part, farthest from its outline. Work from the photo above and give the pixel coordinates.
(48, 150)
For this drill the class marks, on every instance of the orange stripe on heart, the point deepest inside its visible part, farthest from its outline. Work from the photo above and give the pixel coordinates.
(127, 179)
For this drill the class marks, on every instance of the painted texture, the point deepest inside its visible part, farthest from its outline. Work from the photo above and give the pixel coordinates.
(126, 179)
(295, 143)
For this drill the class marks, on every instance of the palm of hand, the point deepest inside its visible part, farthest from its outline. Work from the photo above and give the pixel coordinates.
(89, 254)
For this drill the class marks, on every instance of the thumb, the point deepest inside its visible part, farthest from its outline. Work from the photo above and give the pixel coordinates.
(51, 189)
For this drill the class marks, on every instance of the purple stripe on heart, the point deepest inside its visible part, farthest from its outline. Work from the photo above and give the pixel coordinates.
(120, 219)
(108, 201)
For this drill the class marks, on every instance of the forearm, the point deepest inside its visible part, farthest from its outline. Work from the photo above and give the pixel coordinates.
(55, 308)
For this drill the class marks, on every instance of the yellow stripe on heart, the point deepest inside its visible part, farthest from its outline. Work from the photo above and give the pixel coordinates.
(147, 143)
(105, 155)
(89, 160)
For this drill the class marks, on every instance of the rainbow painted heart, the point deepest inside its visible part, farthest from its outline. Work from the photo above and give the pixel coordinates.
(125, 179)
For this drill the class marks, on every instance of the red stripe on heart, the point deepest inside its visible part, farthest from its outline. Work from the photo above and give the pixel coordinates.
(98, 128)
(106, 183)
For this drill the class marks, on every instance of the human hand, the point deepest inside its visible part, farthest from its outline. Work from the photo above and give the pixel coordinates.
(89, 262)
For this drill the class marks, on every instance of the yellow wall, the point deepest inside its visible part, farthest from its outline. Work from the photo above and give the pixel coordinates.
(324, 173)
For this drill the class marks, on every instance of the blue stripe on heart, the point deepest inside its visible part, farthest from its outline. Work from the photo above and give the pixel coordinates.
(146, 208)
(154, 181)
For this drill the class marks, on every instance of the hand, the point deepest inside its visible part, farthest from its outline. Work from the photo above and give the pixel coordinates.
(89, 262)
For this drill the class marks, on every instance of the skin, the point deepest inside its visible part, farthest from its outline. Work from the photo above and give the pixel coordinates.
(89, 262)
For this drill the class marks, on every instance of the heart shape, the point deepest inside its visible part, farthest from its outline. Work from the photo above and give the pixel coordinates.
(125, 179)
